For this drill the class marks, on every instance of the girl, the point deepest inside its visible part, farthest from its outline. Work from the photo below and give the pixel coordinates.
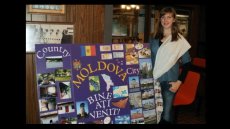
(168, 47)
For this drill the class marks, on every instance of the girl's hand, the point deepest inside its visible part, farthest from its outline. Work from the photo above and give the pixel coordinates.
(175, 86)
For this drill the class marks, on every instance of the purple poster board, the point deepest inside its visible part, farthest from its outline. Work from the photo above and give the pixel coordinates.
(95, 84)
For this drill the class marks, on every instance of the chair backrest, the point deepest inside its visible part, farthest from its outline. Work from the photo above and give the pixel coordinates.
(200, 62)
(187, 91)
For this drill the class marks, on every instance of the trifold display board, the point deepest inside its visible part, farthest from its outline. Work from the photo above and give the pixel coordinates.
(95, 84)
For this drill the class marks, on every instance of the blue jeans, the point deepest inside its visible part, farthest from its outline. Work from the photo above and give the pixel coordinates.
(168, 98)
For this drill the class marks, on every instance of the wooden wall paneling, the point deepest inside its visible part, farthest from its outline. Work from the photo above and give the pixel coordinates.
(28, 15)
(98, 31)
(32, 115)
(56, 17)
(81, 35)
(79, 19)
(70, 13)
(39, 17)
(90, 23)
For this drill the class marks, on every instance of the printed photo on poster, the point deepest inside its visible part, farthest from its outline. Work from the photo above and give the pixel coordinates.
(46, 79)
(94, 83)
(65, 90)
(146, 83)
(47, 104)
(54, 62)
(146, 68)
(82, 109)
(139, 46)
(131, 55)
(104, 48)
(148, 104)
(117, 47)
(150, 116)
(106, 56)
(124, 119)
(65, 107)
(135, 100)
(48, 91)
(147, 93)
(133, 82)
(62, 74)
(144, 53)
(137, 116)
(49, 118)
(120, 91)
(118, 54)
(68, 120)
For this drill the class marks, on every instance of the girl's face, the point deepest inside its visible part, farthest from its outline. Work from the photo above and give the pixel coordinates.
(167, 20)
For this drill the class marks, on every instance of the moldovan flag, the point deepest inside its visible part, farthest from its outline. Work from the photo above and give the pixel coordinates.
(88, 50)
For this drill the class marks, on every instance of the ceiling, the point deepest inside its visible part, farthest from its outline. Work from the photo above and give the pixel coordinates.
(118, 11)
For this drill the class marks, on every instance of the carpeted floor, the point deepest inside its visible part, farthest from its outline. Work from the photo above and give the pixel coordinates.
(188, 115)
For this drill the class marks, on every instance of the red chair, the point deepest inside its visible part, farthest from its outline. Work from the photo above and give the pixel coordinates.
(186, 94)
(199, 62)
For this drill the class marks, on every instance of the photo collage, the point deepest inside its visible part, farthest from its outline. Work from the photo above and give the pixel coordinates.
(141, 86)
(55, 93)
(95, 84)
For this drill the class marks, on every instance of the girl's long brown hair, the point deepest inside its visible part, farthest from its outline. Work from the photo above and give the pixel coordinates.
(175, 29)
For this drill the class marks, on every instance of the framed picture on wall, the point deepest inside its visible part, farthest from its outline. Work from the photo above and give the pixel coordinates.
(183, 24)
(183, 20)
(49, 8)
(48, 34)
(119, 29)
